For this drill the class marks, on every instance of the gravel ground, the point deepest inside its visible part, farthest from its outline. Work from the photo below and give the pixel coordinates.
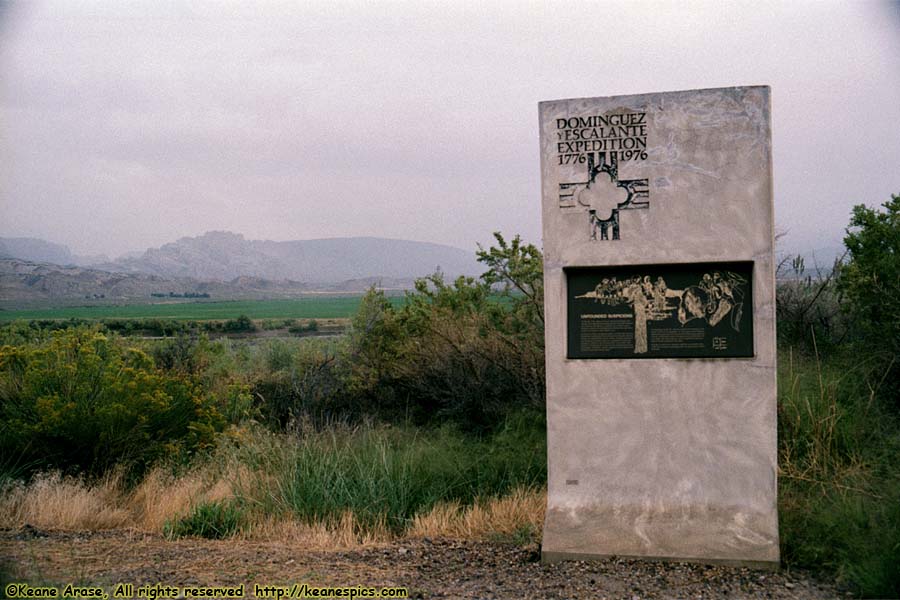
(428, 568)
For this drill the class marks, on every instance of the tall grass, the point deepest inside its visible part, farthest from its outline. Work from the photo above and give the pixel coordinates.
(329, 488)
(387, 475)
(53, 501)
(839, 457)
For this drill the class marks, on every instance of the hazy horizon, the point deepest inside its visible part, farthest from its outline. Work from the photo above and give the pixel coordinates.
(247, 238)
(129, 126)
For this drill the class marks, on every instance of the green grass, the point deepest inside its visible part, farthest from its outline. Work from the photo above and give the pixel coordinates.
(328, 307)
(386, 475)
(212, 520)
(839, 484)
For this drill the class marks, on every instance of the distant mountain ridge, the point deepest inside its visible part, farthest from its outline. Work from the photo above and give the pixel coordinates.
(42, 251)
(225, 264)
(222, 256)
(26, 281)
(36, 250)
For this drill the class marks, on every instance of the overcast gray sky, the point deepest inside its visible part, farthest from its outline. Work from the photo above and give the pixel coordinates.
(127, 125)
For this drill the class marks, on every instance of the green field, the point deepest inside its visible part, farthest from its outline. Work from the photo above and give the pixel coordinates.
(327, 307)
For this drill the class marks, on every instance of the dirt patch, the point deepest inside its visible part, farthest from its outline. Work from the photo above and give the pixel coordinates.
(428, 568)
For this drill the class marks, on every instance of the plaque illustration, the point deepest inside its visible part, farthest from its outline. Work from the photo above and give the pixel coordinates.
(603, 195)
(714, 297)
(656, 312)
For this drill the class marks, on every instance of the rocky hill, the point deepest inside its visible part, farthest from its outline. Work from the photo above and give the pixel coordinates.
(223, 265)
(37, 250)
(222, 256)
(27, 281)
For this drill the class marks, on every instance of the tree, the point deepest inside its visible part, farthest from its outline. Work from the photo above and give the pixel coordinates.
(469, 350)
(870, 279)
(518, 267)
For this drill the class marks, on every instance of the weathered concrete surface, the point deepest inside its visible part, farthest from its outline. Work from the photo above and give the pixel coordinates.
(666, 458)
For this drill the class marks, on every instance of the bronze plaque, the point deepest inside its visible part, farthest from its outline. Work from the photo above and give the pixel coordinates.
(697, 310)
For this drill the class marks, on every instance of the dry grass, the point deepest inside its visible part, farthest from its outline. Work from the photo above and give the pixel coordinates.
(342, 534)
(161, 497)
(522, 509)
(51, 501)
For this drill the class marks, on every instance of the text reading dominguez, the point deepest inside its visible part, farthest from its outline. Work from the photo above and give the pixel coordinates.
(622, 135)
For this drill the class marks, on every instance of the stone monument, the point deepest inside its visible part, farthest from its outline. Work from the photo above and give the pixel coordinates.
(660, 327)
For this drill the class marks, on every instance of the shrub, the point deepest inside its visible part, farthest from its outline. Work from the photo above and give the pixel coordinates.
(870, 282)
(279, 355)
(177, 354)
(241, 324)
(82, 400)
(465, 356)
(301, 328)
(148, 326)
(304, 382)
(212, 520)
(468, 351)
(808, 306)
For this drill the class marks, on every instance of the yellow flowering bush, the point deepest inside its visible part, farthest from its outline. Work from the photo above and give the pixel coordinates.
(82, 400)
